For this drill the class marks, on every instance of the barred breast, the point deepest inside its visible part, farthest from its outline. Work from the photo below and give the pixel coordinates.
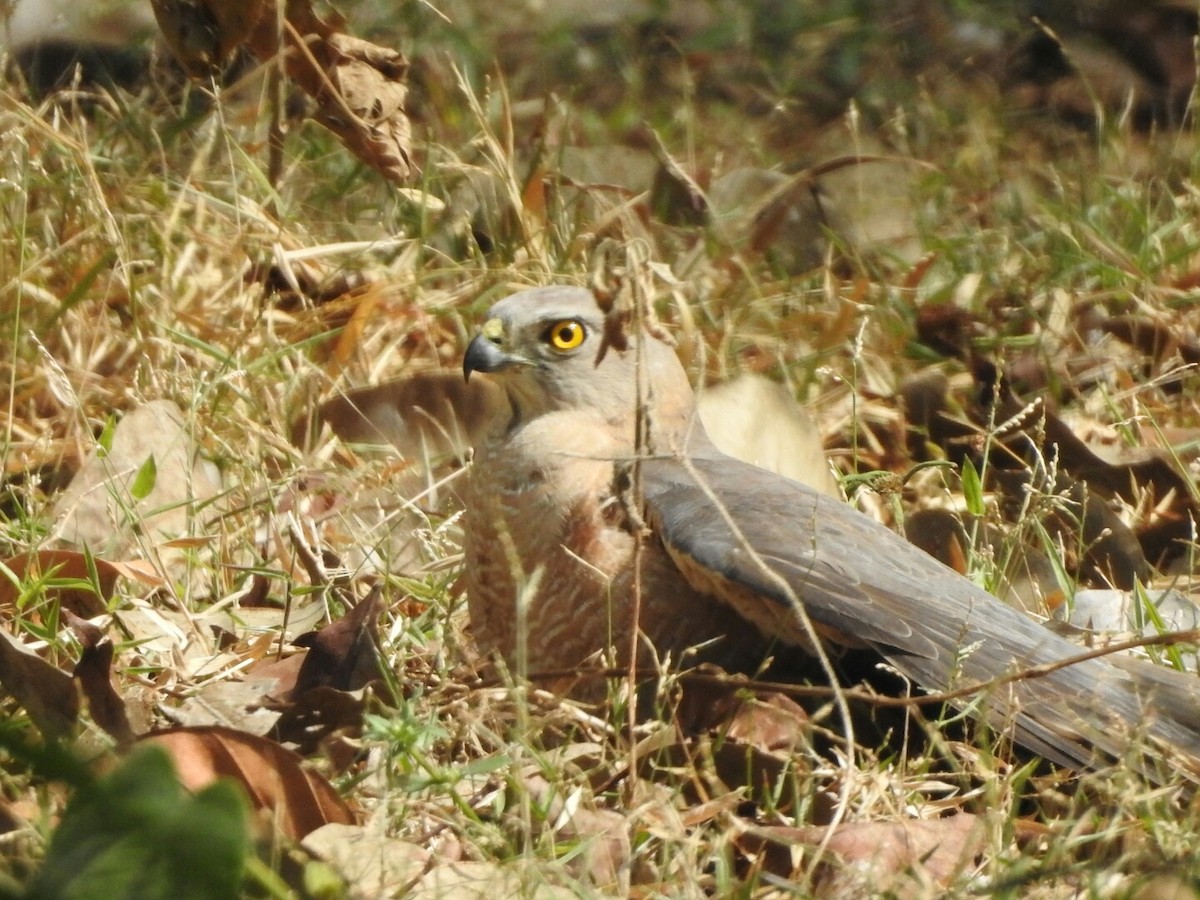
(549, 557)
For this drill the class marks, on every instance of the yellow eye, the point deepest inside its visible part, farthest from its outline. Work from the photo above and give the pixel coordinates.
(566, 335)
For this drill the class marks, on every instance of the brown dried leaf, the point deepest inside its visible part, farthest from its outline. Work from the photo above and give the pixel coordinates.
(343, 655)
(294, 800)
(299, 283)
(46, 693)
(948, 329)
(1112, 549)
(865, 199)
(281, 674)
(318, 715)
(248, 705)
(1028, 581)
(94, 674)
(58, 567)
(1135, 59)
(940, 534)
(234, 704)
(772, 723)
(869, 204)
(788, 226)
(366, 106)
(1152, 338)
(1023, 436)
(750, 739)
(899, 853)
(675, 198)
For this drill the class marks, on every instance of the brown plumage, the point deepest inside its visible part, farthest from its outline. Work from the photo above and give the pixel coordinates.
(735, 552)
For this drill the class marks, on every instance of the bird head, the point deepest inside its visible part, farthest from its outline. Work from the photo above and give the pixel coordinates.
(546, 349)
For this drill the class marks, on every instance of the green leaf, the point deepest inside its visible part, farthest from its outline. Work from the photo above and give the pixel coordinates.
(106, 436)
(143, 482)
(139, 835)
(972, 488)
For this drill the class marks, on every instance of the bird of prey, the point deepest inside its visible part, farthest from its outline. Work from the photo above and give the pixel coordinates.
(601, 498)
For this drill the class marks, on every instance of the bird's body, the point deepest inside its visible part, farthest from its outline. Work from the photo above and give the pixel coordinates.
(558, 518)
(737, 561)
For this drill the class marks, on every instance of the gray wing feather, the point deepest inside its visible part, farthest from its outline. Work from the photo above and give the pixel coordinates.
(768, 539)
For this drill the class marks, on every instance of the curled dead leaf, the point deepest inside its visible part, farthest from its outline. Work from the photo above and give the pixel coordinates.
(313, 718)
(294, 800)
(344, 654)
(94, 674)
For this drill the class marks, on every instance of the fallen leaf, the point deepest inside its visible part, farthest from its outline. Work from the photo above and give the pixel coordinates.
(294, 800)
(244, 705)
(66, 577)
(375, 864)
(869, 204)
(907, 858)
(1029, 579)
(1152, 338)
(675, 198)
(941, 534)
(316, 715)
(947, 329)
(100, 508)
(46, 693)
(1134, 60)
(786, 224)
(751, 740)
(344, 654)
(771, 722)
(1020, 437)
(1032, 432)
(94, 674)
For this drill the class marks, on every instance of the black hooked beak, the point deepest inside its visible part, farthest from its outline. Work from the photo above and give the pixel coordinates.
(484, 355)
(486, 352)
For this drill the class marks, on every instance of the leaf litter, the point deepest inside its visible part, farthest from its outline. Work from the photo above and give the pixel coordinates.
(205, 591)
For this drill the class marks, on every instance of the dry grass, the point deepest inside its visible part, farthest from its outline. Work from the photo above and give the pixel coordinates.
(129, 235)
